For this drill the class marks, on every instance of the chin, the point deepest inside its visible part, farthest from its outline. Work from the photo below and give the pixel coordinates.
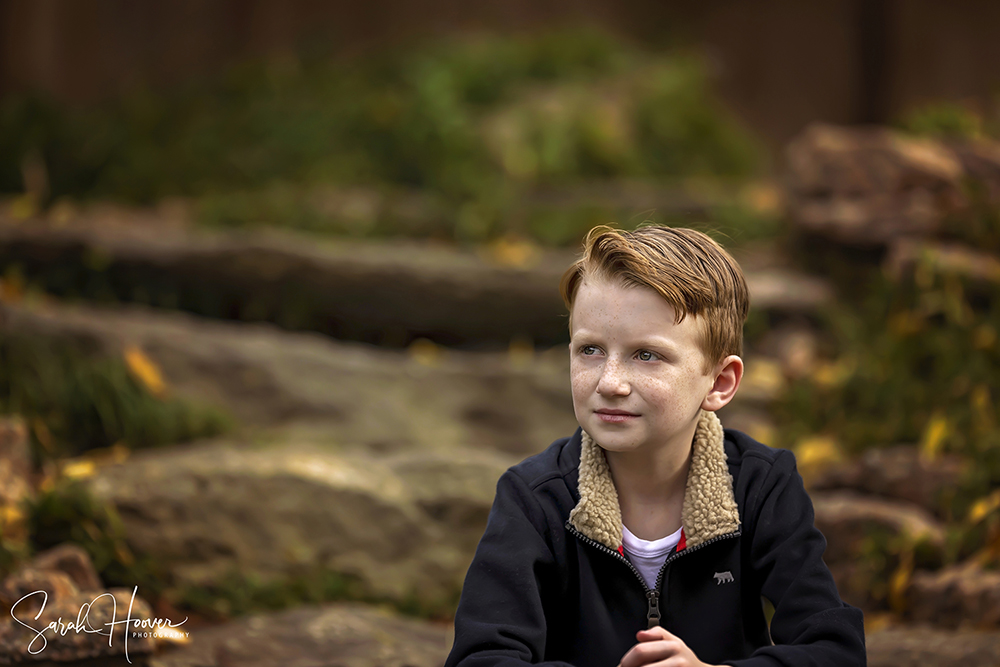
(612, 439)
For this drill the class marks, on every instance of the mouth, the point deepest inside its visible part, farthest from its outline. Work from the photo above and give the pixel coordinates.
(614, 416)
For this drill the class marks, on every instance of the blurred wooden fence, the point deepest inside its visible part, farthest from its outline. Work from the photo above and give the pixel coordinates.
(782, 63)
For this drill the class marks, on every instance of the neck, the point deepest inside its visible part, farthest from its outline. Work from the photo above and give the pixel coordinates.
(650, 476)
(651, 487)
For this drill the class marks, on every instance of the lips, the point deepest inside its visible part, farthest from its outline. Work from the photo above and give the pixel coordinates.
(609, 416)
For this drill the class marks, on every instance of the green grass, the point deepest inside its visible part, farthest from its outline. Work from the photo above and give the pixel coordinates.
(77, 401)
(69, 513)
(239, 593)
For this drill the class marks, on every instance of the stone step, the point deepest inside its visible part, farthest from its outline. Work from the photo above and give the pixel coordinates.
(932, 646)
(428, 398)
(386, 293)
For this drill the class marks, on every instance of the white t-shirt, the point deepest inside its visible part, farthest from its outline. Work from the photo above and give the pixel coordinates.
(648, 556)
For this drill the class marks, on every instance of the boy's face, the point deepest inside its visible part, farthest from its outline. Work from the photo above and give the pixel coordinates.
(638, 379)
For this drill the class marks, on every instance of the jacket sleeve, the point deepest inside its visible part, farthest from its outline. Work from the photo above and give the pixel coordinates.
(811, 625)
(501, 613)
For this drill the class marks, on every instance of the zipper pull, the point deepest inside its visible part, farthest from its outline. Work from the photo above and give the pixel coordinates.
(654, 609)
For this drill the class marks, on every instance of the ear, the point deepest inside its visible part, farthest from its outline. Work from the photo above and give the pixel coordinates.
(728, 375)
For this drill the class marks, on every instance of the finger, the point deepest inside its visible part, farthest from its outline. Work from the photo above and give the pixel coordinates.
(649, 652)
(658, 632)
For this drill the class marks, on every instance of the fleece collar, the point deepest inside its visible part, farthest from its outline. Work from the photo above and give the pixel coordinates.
(709, 508)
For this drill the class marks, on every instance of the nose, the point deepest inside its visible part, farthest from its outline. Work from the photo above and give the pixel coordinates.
(613, 380)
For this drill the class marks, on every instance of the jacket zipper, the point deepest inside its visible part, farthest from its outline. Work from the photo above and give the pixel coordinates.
(652, 595)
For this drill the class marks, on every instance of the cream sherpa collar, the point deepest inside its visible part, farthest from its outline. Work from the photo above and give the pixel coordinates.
(709, 508)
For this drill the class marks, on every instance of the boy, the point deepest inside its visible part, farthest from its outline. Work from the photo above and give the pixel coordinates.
(651, 535)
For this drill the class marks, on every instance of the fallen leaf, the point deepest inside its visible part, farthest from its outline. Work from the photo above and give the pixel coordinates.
(934, 437)
(145, 370)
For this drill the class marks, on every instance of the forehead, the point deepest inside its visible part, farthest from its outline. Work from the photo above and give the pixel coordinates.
(609, 307)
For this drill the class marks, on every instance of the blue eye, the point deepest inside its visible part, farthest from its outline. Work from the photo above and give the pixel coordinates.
(646, 355)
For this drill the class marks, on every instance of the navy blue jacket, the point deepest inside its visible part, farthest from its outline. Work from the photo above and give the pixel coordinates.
(541, 590)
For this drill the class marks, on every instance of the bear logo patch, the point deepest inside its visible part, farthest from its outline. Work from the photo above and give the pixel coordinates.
(723, 578)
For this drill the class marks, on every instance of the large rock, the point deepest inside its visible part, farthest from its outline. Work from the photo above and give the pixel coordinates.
(428, 398)
(869, 186)
(347, 635)
(404, 527)
(61, 587)
(898, 473)
(69, 560)
(930, 646)
(956, 596)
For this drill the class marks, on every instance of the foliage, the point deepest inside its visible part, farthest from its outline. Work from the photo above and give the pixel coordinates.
(945, 120)
(75, 401)
(238, 593)
(474, 123)
(916, 362)
(68, 512)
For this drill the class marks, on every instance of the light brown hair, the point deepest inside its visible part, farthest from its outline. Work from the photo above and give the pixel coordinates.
(693, 273)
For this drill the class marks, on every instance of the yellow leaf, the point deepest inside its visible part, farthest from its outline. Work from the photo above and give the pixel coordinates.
(900, 581)
(13, 524)
(79, 469)
(983, 507)
(833, 374)
(934, 437)
(984, 337)
(11, 515)
(521, 352)
(123, 553)
(982, 405)
(761, 431)
(513, 251)
(877, 621)
(116, 453)
(764, 376)
(817, 451)
(425, 352)
(24, 207)
(762, 198)
(145, 370)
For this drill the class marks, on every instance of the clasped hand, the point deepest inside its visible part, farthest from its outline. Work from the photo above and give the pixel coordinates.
(659, 648)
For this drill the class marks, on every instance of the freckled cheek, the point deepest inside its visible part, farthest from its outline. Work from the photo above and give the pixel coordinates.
(658, 394)
(583, 381)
